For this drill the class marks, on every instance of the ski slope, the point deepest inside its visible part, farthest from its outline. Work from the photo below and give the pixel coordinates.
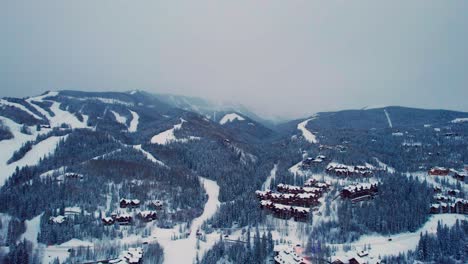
(388, 118)
(119, 118)
(149, 155)
(308, 136)
(134, 123)
(21, 107)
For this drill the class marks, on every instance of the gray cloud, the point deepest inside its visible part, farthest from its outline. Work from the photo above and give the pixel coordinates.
(287, 58)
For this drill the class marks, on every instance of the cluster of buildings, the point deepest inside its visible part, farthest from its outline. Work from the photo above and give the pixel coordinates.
(310, 162)
(359, 257)
(450, 203)
(442, 171)
(287, 254)
(359, 192)
(343, 170)
(292, 201)
(127, 219)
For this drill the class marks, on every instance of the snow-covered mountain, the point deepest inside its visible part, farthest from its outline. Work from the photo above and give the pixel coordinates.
(142, 177)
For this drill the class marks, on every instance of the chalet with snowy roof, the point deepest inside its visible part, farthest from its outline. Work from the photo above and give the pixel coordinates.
(147, 216)
(286, 188)
(359, 192)
(454, 206)
(133, 255)
(155, 204)
(124, 219)
(288, 255)
(439, 171)
(349, 170)
(127, 203)
(108, 220)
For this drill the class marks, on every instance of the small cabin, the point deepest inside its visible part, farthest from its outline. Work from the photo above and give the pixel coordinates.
(147, 216)
(108, 220)
(439, 171)
(127, 203)
(124, 219)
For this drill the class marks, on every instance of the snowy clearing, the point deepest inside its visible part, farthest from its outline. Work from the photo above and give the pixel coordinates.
(309, 136)
(120, 118)
(134, 123)
(33, 227)
(65, 117)
(185, 250)
(167, 137)
(384, 166)
(149, 155)
(230, 118)
(400, 242)
(61, 251)
(388, 118)
(460, 120)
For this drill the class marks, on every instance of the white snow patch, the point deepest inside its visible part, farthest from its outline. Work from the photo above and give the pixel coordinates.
(309, 136)
(230, 118)
(168, 136)
(65, 117)
(33, 227)
(388, 118)
(120, 118)
(149, 155)
(460, 120)
(134, 123)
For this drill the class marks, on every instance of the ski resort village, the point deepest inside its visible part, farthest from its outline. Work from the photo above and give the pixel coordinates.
(133, 177)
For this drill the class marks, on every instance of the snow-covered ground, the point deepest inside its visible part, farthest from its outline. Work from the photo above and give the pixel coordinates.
(120, 118)
(8, 147)
(148, 155)
(435, 180)
(381, 246)
(230, 118)
(185, 250)
(270, 178)
(309, 136)
(384, 166)
(460, 120)
(168, 136)
(388, 118)
(33, 227)
(61, 251)
(65, 117)
(134, 123)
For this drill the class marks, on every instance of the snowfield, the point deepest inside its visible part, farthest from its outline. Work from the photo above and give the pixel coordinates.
(168, 136)
(460, 120)
(230, 118)
(65, 117)
(8, 147)
(401, 242)
(309, 136)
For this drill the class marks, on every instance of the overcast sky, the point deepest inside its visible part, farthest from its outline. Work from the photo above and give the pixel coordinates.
(280, 57)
